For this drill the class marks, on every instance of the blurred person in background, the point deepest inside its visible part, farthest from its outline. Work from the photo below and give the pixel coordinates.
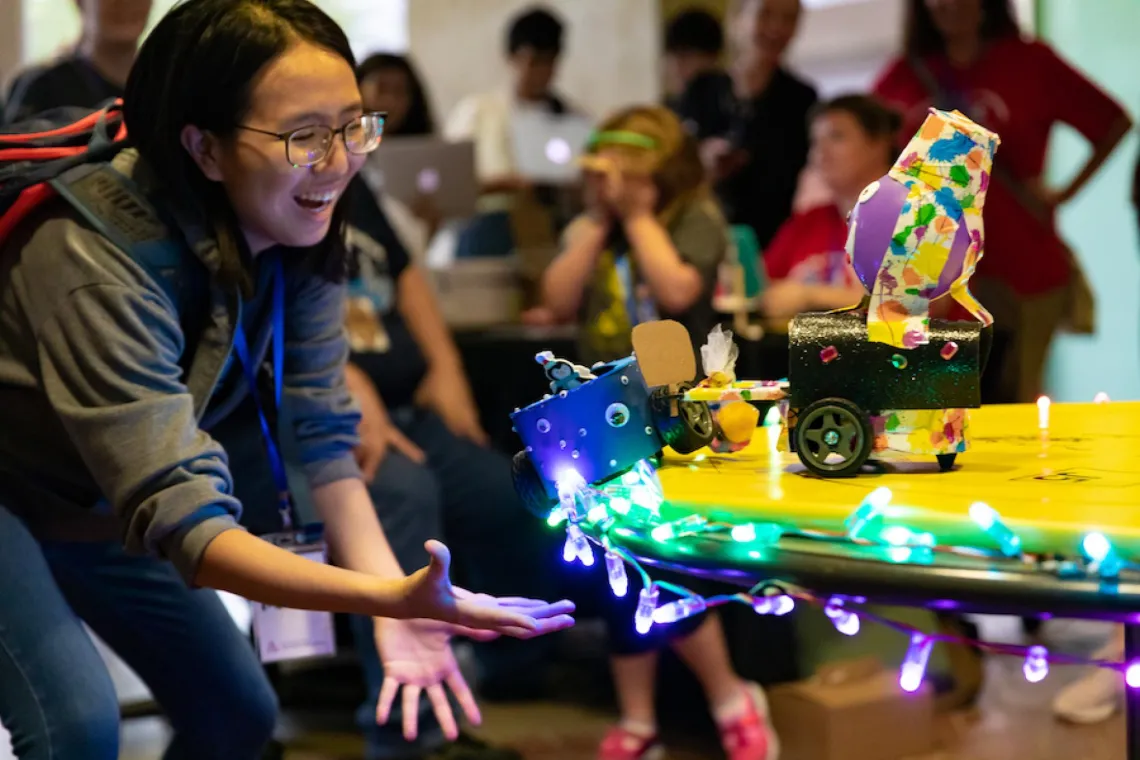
(97, 69)
(853, 139)
(698, 89)
(650, 243)
(533, 48)
(757, 163)
(390, 84)
(970, 55)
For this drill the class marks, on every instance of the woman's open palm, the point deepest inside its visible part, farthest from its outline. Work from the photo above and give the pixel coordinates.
(417, 654)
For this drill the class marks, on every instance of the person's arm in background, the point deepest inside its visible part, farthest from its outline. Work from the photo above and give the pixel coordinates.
(1091, 111)
(325, 421)
(376, 431)
(798, 239)
(674, 284)
(565, 281)
(445, 390)
(666, 261)
(783, 299)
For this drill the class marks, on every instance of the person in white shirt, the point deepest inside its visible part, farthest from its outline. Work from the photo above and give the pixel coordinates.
(533, 47)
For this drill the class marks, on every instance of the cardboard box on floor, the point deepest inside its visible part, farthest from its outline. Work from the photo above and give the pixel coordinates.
(852, 710)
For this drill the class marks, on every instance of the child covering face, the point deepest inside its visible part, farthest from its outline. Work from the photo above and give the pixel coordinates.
(650, 241)
(648, 247)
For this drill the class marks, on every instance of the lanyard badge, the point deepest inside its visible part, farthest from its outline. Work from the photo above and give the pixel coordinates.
(281, 633)
(287, 634)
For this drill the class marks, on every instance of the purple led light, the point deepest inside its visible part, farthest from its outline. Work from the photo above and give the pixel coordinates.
(1132, 675)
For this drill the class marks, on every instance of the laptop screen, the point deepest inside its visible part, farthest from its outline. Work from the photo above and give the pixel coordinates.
(547, 146)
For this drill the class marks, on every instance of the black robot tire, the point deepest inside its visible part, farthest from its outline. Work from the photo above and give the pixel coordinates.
(693, 428)
(833, 426)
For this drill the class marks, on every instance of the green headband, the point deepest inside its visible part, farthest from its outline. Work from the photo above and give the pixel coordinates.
(632, 139)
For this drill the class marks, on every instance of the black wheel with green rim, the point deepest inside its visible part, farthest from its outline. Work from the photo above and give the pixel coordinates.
(691, 429)
(833, 438)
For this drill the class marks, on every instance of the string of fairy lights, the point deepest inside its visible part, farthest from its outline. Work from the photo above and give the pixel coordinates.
(631, 508)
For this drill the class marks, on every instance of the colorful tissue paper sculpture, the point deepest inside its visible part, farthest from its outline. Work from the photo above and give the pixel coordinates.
(887, 373)
(916, 234)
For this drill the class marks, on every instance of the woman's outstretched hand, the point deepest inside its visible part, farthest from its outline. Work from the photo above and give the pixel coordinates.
(429, 595)
(417, 653)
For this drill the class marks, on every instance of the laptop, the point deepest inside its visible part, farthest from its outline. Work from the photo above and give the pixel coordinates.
(547, 146)
(410, 167)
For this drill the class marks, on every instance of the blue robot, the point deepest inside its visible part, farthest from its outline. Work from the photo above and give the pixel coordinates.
(597, 424)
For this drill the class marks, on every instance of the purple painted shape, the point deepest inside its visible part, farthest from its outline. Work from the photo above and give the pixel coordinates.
(875, 220)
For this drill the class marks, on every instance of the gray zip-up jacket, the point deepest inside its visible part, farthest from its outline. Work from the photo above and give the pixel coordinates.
(100, 429)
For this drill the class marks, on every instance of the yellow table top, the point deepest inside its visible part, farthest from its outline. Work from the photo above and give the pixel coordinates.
(1082, 475)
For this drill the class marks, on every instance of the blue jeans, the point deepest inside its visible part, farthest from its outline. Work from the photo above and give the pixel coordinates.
(56, 697)
(463, 495)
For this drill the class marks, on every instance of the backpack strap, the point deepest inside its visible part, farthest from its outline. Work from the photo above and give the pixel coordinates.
(115, 207)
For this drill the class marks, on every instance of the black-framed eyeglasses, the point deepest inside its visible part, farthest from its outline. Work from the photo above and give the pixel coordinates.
(307, 146)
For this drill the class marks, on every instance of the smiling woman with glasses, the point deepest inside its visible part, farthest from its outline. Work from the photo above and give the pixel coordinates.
(138, 312)
(309, 145)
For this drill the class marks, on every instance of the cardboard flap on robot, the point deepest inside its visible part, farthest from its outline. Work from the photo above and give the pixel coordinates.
(665, 353)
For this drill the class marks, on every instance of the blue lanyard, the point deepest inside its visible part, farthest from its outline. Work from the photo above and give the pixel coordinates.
(638, 310)
(284, 502)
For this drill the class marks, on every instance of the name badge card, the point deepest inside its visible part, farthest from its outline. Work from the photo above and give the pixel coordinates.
(286, 634)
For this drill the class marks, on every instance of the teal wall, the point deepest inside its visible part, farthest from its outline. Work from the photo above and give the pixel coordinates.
(1100, 37)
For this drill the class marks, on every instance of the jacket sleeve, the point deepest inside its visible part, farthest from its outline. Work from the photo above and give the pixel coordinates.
(324, 415)
(108, 345)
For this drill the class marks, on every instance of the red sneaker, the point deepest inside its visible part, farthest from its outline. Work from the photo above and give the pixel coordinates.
(620, 744)
(749, 736)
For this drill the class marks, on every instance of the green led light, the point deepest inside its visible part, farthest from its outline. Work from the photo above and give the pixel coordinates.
(686, 526)
(772, 418)
(764, 533)
(620, 504)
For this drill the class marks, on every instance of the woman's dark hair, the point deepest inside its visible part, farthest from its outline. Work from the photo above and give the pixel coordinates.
(694, 30)
(198, 66)
(875, 117)
(536, 28)
(419, 120)
(923, 37)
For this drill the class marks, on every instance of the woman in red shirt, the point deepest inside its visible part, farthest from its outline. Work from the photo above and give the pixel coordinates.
(969, 55)
(852, 145)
